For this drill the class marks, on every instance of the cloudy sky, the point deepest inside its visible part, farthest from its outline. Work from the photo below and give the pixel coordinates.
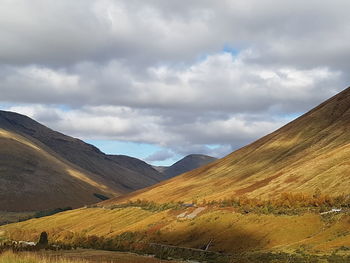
(161, 79)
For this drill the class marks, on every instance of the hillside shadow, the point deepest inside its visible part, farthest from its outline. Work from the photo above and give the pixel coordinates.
(214, 236)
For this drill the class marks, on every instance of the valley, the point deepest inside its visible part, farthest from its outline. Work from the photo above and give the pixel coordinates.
(264, 198)
(174, 131)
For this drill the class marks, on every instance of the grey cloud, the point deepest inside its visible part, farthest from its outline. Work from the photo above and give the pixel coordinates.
(155, 71)
(142, 33)
(64, 32)
(207, 134)
(221, 83)
(160, 156)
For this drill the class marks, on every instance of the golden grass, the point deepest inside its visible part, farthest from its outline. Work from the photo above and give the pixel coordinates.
(79, 256)
(9, 257)
(103, 256)
(230, 231)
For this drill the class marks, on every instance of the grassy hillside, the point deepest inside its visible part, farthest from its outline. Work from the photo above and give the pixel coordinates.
(121, 177)
(229, 231)
(311, 152)
(32, 177)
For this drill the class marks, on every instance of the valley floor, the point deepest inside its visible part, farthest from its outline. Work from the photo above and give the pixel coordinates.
(77, 256)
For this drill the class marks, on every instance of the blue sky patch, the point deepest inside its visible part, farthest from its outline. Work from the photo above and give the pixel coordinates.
(137, 150)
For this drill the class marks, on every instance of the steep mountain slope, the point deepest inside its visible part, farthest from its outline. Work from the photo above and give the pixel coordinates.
(311, 152)
(160, 169)
(33, 177)
(188, 163)
(138, 166)
(86, 156)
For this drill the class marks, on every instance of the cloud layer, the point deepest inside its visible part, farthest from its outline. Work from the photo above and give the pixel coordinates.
(205, 77)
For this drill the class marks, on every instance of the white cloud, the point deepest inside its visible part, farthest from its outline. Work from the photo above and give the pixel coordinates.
(156, 71)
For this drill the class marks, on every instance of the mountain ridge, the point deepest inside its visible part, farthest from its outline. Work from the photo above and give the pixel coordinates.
(33, 177)
(68, 157)
(308, 153)
(186, 164)
(78, 152)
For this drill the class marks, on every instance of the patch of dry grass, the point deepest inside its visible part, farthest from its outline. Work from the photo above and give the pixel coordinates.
(9, 257)
(79, 256)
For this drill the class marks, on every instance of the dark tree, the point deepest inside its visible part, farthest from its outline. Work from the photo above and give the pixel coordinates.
(43, 240)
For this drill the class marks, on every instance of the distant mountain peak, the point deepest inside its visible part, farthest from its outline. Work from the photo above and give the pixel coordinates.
(186, 164)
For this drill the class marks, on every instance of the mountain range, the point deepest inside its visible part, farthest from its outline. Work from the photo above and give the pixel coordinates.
(44, 169)
(188, 163)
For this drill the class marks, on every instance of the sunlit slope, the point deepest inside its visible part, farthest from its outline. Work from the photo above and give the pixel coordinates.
(230, 231)
(311, 152)
(33, 178)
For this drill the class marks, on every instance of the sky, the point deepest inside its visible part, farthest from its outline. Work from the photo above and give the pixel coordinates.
(161, 79)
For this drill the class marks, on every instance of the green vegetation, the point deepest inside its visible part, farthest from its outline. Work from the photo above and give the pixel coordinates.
(51, 212)
(12, 217)
(101, 196)
(148, 205)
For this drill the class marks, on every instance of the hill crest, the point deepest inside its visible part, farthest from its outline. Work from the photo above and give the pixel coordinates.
(308, 153)
(26, 144)
(186, 164)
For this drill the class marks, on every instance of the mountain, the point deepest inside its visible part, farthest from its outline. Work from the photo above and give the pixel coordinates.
(137, 165)
(33, 177)
(310, 152)
(188, 163)
(160, 169)
(19, 161)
